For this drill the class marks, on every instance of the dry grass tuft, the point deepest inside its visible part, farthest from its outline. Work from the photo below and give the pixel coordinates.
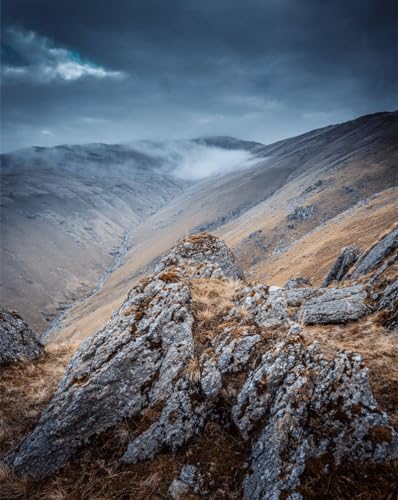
(170, 276)
(25, 389)
(192, 370)
(13, 487)
(370, 481)
(212, 298)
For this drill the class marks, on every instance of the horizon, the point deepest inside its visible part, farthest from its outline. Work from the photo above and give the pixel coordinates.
(181, 139)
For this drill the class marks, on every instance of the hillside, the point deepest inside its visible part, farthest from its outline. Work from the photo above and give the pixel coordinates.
(69, 213)
(316, 186)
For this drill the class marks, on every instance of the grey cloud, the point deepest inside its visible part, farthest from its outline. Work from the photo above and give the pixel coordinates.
(27, 55)
(254, 69)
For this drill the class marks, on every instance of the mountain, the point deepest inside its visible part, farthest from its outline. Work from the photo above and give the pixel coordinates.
(287, 212)
(72, 213)
(68, 213)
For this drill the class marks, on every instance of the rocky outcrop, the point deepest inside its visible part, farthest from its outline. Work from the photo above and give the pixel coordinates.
(301, 213)
(157, 363)
(311, 408)
(376, 254)
(348, 256)
(338, 305)
(17, 341)
(276, 306)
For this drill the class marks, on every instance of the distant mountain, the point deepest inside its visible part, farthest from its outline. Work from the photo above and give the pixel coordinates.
(226, 142)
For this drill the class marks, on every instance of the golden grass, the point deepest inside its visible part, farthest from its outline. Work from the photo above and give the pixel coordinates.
(192, 370)
(212, 298)
(25, 389)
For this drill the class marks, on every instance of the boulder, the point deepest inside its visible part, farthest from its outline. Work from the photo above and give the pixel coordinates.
(344, 261)
(335, 305)
(17, 341)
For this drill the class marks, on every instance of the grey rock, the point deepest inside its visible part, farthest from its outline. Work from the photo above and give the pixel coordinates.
(310, 407)
(130, 365)
(375, 255)
(178, 489)
(389, 302)
(388, 263)
(335, 305)
(211, 379)
(204, 250)
(301, 213)
(17, 341)
(297, 282)
(182, 417)
(348, 256)
(189, 481)
(390, 296)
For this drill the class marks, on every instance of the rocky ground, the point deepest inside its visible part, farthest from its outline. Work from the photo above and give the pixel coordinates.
(205, 384)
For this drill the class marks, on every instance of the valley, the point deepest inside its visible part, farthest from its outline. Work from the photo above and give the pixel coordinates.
(347, 172)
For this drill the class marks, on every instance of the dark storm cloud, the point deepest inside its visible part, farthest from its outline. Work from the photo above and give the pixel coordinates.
(152, 69)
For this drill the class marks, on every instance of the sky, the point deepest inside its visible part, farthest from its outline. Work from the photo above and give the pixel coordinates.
(120, 70)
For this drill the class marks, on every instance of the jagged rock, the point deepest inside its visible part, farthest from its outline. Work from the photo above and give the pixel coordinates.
(17, 341)
(335, 305)
(282, 395)
(344, 261)
(311, 408)
(301, 213)
(129, 365)
(297, 282)
(387, 264)
(373, 257)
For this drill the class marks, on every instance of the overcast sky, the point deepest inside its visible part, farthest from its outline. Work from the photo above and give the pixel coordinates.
(119, 70)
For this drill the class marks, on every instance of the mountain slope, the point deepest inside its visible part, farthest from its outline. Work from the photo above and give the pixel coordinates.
(68, 212)
(258, 210)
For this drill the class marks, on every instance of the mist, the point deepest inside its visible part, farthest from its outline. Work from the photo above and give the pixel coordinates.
(185, 159)
(191, 161)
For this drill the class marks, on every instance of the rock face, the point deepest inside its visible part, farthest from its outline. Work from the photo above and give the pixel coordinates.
(17, 341)
(373, 257)
(156, 357)
(344, 261)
